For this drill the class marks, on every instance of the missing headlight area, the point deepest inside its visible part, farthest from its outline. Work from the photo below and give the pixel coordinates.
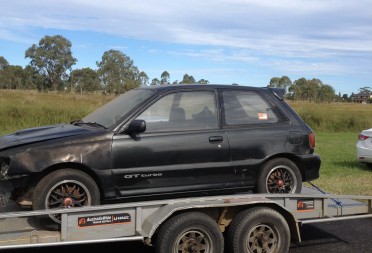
(5, 193)
(4, 167)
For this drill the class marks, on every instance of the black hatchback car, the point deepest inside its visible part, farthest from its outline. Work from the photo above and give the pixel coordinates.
(163, 141)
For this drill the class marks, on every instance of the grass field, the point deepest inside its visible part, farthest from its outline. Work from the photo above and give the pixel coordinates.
(340, 172)
(23, 109)
(336, 126)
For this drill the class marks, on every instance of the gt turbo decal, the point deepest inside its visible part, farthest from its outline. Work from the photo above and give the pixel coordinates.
(143, 175)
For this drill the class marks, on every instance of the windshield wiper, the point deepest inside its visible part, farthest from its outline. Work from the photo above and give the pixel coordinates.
(80, 122)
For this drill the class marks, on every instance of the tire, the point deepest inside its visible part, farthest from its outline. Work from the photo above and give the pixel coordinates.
(279, 175)
(65, 188)
(190, 232)
(369, 165)
(259, 229)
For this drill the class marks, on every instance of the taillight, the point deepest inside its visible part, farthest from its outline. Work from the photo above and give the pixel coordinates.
(312, 140)
(362, 137)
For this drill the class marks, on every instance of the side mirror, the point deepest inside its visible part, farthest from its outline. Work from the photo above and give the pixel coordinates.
(136, 126)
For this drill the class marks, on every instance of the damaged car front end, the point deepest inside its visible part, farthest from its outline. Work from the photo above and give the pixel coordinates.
(63, 165)
(28, 155)
(11, 184)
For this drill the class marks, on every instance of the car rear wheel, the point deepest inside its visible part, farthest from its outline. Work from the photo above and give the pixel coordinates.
(279, 175)
(65, 188)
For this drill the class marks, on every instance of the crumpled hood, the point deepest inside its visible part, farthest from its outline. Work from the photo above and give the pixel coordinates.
(38, 134)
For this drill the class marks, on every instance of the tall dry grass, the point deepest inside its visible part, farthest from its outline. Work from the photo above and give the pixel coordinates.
(335, 117)
(24, 109)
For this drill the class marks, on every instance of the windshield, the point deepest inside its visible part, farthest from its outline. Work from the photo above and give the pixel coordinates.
(109, 114)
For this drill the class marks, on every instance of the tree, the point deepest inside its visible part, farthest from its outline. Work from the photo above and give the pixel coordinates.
(313, 88)
(12, 77)
(297, 89)
(144, 79)
(164, 78)
(85, 79)
(305, 89)
(203, 81)
(326, 93)
(366, 90)
(187, 79)
(155, 81)
(3, 63)
(274, 82)
(33, 79)
(117, 72)
(52, 57)
(280, 82)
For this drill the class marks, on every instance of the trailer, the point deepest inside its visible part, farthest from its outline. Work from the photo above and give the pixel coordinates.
(247, 222)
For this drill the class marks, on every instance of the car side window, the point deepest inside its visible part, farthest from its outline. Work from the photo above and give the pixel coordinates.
(246, 107)
(182, 111)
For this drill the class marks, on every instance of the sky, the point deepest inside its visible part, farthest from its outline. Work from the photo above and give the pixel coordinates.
(247, 42)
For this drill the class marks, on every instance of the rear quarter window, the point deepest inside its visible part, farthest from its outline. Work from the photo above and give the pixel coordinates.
(246, 107)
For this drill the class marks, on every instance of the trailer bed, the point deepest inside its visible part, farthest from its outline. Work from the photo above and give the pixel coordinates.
(139, 220)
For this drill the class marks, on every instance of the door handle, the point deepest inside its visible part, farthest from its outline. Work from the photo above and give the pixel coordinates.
(215, 139)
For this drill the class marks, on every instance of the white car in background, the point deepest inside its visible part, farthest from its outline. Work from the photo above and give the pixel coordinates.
(364, 147)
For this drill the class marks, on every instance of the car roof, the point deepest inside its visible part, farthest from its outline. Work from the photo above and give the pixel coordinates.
(279, 92)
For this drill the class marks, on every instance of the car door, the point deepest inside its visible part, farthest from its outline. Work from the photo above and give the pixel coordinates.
(255, 131)
(183, 148)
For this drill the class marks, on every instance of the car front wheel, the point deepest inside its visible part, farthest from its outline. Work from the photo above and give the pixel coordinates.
(65, 188)
(279, 175)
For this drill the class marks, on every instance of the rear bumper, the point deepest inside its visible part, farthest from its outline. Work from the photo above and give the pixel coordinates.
(310, 167)
(364, 154)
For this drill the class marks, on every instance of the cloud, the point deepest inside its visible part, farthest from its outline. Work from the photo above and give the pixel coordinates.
(256, 24)
(299, 35)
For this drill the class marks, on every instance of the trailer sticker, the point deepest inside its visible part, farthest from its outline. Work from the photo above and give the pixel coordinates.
(305, 205)
(103, 220)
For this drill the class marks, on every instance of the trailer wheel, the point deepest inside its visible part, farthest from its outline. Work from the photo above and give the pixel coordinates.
(279, 175)
(192, 232)
(259, 229)
(65, 188)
